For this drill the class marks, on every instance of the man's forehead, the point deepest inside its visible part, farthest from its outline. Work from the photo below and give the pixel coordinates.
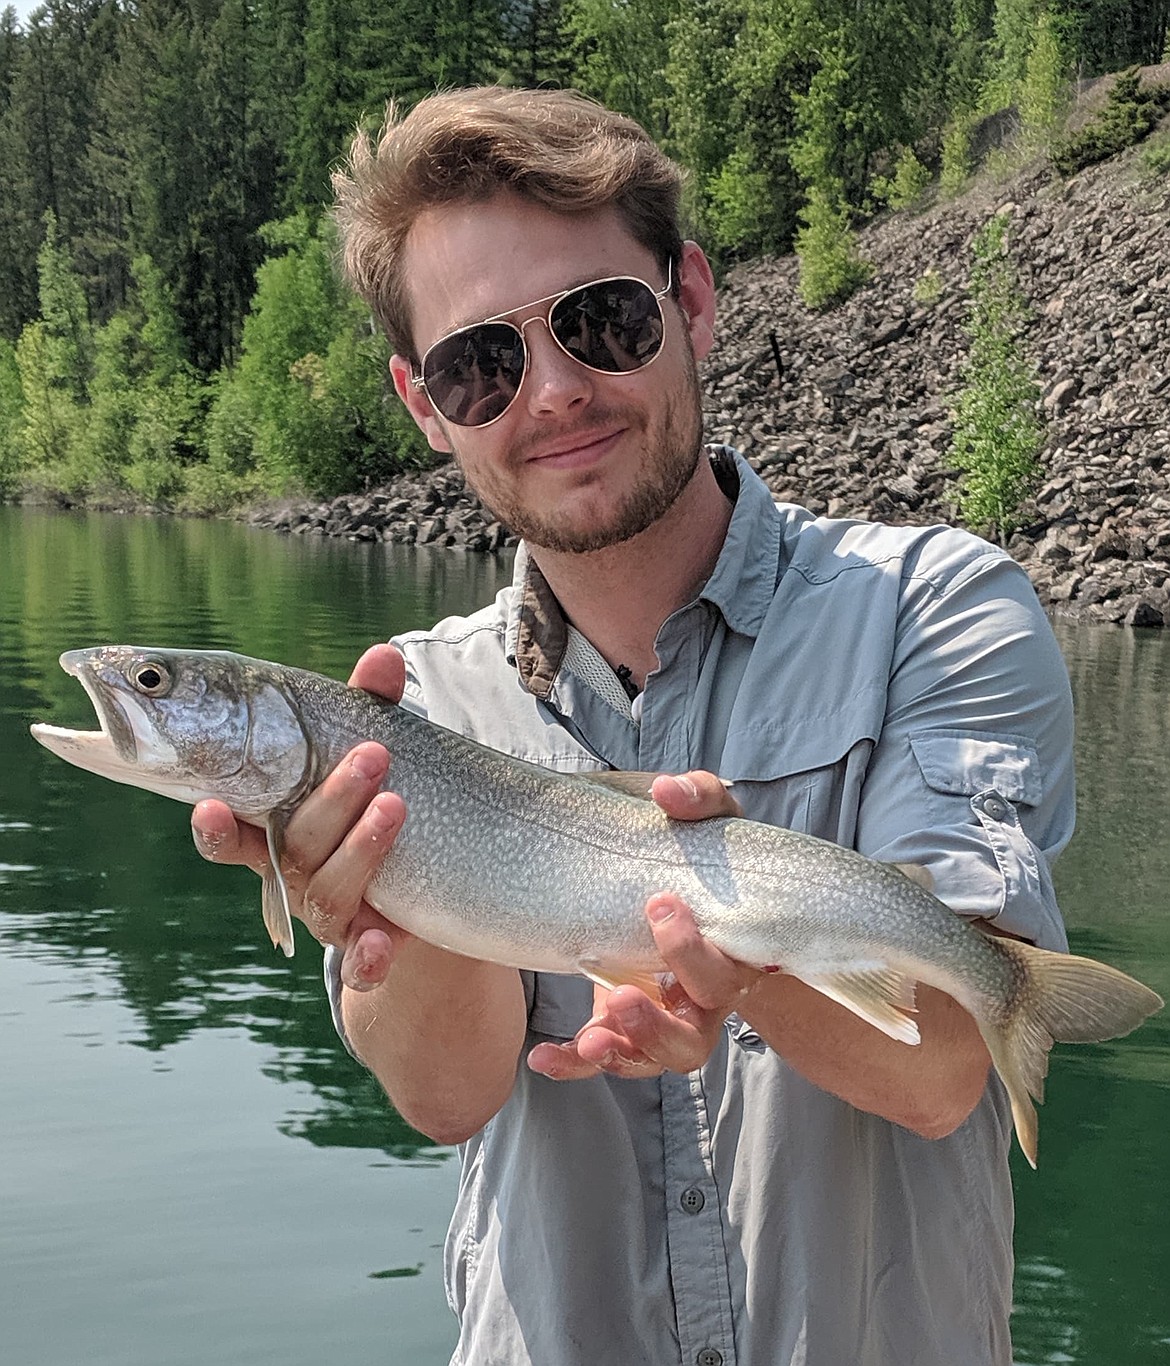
(468, 261)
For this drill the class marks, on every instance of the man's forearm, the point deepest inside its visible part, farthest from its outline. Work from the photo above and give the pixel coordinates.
(443, 1035)
(929, 1088)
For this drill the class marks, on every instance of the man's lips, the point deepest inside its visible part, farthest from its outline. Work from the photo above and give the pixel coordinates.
(578, 449)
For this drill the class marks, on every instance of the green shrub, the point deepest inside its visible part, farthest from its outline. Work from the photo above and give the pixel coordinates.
(1130, 115)
(997, 435)
(928, 288)
(907, 187)
(11, 418)
(1155, 156)
(956, 156)
(830, 269)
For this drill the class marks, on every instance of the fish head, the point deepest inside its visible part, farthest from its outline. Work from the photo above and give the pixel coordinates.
(188, 724)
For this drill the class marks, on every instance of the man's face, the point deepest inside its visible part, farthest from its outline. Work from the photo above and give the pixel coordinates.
(580, 460)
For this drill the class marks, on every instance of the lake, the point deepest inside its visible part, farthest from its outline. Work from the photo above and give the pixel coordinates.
(191, 1167)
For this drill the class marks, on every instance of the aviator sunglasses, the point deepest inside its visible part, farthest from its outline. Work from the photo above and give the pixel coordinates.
(613, 326)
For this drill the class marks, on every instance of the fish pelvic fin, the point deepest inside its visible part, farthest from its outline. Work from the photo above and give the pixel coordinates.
(611, 977)
(274, 896)
(1059, 998)
(877, 993)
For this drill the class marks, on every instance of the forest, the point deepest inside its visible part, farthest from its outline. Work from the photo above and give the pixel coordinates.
(172, 329)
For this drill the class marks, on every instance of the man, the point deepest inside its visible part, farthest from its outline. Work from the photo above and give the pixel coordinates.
(755, 1175)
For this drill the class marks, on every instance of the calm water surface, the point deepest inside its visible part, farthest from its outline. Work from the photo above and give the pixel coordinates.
(191, 1168)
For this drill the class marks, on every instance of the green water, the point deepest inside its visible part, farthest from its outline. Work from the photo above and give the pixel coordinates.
(192, 1170)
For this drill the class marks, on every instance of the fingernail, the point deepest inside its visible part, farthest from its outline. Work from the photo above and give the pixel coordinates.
(380, 819)
(367, 763)
(660, 912)
(690, 791)
(354, 967)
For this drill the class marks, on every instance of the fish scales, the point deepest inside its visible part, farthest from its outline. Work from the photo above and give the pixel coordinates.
(503, 860)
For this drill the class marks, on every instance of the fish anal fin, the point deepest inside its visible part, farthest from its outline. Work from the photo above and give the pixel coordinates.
(611, 977)
(274, 896)
(876, 993)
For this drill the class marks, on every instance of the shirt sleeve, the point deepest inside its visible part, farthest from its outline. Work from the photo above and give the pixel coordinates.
(972, 775)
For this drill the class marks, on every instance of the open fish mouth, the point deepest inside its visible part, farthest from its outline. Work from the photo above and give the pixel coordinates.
(119, 743)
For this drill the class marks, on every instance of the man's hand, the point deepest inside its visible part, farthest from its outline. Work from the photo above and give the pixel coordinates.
(334, 842)
(631, 1035)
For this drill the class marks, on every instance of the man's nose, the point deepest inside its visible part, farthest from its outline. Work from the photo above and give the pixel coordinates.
(555, 381)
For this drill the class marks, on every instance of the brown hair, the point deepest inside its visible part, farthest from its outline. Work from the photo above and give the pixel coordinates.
(552, 146)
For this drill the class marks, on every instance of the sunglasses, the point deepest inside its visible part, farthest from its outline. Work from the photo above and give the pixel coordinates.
(613, 326)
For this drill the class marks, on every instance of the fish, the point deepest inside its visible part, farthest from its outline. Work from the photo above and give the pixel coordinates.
(506, 861)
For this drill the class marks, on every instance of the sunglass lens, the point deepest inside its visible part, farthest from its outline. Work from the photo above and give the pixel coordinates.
(472, 376)
(614, 325)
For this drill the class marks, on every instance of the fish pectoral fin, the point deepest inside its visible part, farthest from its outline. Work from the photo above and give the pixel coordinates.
(880, 995)
(274, 897)
(610, 977)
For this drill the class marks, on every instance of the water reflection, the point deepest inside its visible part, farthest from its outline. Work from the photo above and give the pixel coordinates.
(89, 871)
(138, 989)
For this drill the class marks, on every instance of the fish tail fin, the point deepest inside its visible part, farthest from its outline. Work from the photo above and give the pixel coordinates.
(1059, 997)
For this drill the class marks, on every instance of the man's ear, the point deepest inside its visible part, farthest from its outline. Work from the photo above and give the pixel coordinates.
(696, 296)
(418, 405)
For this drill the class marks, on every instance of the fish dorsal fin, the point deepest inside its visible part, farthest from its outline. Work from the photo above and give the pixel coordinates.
(632, 783)
(917, 873)
(877, 993)
(277, 913)
(620, 780)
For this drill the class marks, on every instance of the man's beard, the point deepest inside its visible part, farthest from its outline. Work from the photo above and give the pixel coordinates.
(669, 455)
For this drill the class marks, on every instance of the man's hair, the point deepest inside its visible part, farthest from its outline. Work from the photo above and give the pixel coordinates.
(551, 146)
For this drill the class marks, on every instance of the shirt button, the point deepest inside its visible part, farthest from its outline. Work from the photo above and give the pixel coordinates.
(692, 1200)
(995, 808)
(709, 1357)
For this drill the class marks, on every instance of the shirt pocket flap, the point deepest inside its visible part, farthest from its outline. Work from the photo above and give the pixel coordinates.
(963, 764)
(764, 750)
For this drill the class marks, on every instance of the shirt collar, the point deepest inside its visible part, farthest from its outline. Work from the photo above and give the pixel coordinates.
(742, 584)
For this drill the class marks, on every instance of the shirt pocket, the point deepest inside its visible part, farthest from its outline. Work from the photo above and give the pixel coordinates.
(1000, 779)
(808, 781)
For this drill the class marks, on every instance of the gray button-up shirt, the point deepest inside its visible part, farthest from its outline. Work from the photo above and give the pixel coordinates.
(897, 690)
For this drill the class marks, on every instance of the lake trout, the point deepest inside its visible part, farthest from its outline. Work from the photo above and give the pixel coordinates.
(505, 861)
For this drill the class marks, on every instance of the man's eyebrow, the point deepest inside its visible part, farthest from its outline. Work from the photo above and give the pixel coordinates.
(473, 321)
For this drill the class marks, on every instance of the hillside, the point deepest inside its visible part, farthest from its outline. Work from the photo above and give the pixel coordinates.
(857, 421)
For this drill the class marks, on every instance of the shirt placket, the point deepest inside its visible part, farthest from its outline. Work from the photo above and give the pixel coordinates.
(696, 1246)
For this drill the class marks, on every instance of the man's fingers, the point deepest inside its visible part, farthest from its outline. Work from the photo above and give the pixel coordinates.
(319, 824)
(339, 884)
(694, 796)
(369, 954)
(220, 838)
(710, 979)
(380, 670)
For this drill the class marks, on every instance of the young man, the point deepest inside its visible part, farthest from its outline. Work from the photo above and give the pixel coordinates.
(755, 1176)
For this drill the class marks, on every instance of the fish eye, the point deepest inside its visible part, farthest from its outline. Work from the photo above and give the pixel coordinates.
(152, 678)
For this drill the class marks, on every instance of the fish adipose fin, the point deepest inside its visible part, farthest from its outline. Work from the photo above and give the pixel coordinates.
(277, 913)
(611, 977)
(878, 994)
(1063, 998)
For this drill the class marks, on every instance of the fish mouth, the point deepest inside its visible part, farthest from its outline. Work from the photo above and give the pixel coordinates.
(117, 746)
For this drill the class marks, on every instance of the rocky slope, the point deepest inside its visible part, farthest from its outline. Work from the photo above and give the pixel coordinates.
(849, 412)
